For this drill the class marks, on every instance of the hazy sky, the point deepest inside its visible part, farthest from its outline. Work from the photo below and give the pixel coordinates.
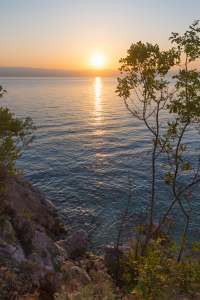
(65, 34)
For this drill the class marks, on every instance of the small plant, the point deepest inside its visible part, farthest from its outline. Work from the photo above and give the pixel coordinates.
(3, 219)
(26, 214)
(89, 292)
(10, 237)
(58, 267)
(62, 295)
(29, 266)
(14, 286)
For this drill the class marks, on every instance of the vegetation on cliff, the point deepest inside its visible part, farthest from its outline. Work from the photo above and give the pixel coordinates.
(15, 136)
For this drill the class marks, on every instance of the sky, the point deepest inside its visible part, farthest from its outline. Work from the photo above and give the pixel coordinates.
(66, 34)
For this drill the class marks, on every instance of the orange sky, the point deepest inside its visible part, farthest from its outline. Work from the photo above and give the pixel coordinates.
(65, 34)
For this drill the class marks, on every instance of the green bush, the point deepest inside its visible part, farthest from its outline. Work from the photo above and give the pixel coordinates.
(15, 136)
(158, 275)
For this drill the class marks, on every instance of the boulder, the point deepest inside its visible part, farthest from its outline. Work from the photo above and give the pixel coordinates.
(16, 254)
(80, 275)
(75, 245)
(25, 197)
(55, 282)
(6, 249)
(72, 278)
(111, 255)
(39, 269)
(7, 228)
(19, 222)
(46, 247)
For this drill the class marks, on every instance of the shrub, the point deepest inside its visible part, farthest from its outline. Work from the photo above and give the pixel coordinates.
(158, 275)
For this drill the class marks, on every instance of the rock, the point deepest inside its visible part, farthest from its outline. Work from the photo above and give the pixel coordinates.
(6, 249)
(17, 270)
(24, 232)
(18, 222)
(40, 270)
(80, 275)
(16, 254)
(8, 229)
(55, 282)
(72, 278)
(74, 245)
(46, 247)
(31, 216)
(7, 233)
(111, 255)
(23, 196)
(49, 269)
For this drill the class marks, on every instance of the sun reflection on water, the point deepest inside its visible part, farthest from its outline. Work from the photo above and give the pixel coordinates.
(98, 107)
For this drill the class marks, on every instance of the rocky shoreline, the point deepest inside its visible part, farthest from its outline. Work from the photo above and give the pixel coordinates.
(37, 250)
(35, 246)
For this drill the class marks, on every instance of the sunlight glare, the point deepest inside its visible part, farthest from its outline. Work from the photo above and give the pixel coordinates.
(97, 60)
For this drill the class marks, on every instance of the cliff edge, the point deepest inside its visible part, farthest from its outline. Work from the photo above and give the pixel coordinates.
(35, 248)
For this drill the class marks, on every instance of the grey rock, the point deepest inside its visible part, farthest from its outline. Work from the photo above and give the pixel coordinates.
(46, 247)
(24, 196)
(59, 280)
(74, 245)
(8, 229)
(49, 269)
(18, 222)
(111, 255)
(18, 256)
(40, 270)
(17, 270)
(80, 275)
(6, 249)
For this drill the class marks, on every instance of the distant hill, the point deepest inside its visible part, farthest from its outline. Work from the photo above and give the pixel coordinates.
(36, 72)
(33, 72)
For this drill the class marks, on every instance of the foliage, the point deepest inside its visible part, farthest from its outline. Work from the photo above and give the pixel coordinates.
(5, 232)
(158, 275)
(15, 135)
(146, 93)
(26, 214)
(15, 286)
(2, 91)
(100, 288)
(88, 292)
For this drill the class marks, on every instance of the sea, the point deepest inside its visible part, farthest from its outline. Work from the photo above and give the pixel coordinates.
(91, 156)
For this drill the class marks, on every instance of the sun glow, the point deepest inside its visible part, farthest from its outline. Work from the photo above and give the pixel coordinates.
(97, 60)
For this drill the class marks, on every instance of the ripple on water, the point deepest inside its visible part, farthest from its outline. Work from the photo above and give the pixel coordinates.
(86, 144)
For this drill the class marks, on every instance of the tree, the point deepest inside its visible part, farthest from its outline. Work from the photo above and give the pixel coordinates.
(15, 136)
(146, 94)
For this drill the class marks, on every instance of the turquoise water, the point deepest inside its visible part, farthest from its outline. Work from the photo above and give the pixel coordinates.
(86, 144)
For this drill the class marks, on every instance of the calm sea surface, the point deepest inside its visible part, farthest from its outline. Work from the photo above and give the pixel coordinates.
(86, 144)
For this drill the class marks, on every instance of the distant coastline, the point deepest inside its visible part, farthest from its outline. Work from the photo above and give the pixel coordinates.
(37, 72)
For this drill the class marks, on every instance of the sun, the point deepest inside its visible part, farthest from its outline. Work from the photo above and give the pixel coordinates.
(97, 60)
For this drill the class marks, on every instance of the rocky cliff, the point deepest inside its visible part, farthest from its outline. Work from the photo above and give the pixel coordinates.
(34, 247)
